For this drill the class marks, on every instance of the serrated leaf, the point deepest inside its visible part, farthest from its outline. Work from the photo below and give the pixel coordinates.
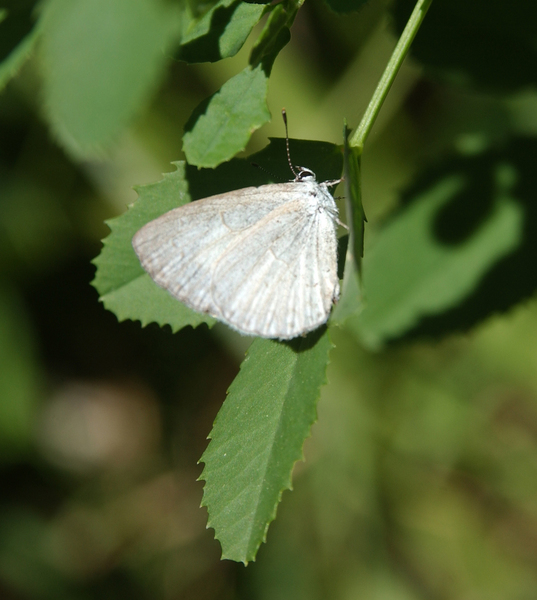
(258, 436)
(495, 47)
(18, 33)
(462, 220)
(124, 287)
(222, 126)
(101, 61)
(220, 33)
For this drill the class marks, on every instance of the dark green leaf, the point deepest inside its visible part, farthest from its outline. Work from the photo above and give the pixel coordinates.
(220, 33)
(489, 44)
(102, 60)
(222, 126)
(350, 300)
(18, 33)
(124, 286)
(458, 249)
(273, 38)
(353, 197)
(16, 22)
(258, 436)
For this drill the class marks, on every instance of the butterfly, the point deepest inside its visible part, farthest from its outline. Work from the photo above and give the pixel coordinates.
(262, 259)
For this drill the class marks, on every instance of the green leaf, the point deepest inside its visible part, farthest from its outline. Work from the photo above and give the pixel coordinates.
(351, 298)
(513, 278)
(101, 61)
(18, 33)
(353, 197)
(345, 6)
(124, 287)
(480, 43)
(220, 33)
(258, 436)
(462, 220)
(273, 38)
(222, 126)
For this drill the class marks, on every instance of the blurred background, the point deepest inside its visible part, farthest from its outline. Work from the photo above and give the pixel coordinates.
(420, 479)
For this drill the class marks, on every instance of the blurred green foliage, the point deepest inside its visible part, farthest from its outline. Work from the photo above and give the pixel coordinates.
(420, 475)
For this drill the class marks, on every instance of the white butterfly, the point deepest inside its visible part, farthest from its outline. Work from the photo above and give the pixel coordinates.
(261, 259)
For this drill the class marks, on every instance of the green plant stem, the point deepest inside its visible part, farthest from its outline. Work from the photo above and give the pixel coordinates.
(358, 138)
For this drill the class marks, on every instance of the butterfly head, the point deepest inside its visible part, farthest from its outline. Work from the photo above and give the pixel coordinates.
(304, 174)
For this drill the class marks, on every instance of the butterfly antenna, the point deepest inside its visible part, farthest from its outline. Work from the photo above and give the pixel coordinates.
(284, 115)
(257, 166)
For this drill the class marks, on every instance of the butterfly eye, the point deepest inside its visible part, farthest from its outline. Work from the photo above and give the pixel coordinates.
(305, 174)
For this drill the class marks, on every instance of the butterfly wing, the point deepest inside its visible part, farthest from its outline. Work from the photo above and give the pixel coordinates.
(180, 248)
(255, 259)
(279, 279)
